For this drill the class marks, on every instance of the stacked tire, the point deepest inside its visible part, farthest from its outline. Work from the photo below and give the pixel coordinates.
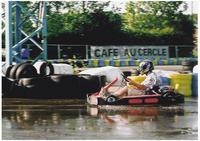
(24, 81)
(65, 86)
(37, 87)
(22, 70)
(10, 85)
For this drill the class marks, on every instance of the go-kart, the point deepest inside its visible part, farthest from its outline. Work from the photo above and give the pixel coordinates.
(164, 95)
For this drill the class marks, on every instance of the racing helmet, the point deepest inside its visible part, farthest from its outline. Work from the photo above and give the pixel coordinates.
(145, 67)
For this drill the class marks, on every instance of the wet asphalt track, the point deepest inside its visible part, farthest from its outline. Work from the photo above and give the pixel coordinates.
(74, 119)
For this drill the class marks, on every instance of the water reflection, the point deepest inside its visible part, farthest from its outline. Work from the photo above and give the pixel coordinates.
(127, 114)
(106, 122)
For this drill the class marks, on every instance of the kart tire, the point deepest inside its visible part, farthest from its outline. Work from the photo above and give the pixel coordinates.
(111, 99)
(8, 71)
(26, 71)
(15, 68)
(44, 67)
(169, 98)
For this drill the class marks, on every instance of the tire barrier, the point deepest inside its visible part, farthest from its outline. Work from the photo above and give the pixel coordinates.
(38, 87)
(14, 69)
(123, 62)
(66, 86)
(182, 83)
(10, 89)
(136, 62)
(188, 64)
(25, 69)
(8, 71)
(101, 63)
(6, 85)
(44, 67)
(131, 62)
(172, 61)
(107, 62)
(195, 84)
(112, 63)
(91, 83)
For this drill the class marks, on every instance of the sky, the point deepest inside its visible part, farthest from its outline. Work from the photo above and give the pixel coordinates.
(192, 5)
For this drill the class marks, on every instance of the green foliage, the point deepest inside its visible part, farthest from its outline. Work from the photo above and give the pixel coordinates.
(156, 18)
(100, 22)
(85, 19)
(55, 24)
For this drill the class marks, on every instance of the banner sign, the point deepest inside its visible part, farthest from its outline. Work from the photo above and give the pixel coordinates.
(126, 52)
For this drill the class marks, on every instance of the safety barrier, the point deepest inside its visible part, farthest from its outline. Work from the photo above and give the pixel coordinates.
(130, 62)
(195, 84)
(182, 83)
(120, 62)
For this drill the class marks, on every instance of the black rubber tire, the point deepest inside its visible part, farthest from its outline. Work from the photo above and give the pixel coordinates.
(43, 68)
(79, 64)
(38, 87)
(14, 70)
(90, 83)
(31, 81)
(8, 71)
(185, 63)
(111, 99)
(66, 86)
(188, 65)
(6, 85)
(10, 89)
(26, 71)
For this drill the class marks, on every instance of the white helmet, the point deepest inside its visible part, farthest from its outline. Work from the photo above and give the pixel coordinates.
(145, 67)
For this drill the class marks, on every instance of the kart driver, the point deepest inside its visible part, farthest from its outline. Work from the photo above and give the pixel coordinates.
(133, 88)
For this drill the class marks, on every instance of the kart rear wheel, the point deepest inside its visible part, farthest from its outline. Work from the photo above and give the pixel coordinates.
(111, 99)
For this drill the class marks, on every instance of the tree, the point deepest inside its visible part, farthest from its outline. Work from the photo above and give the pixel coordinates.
(154, 18)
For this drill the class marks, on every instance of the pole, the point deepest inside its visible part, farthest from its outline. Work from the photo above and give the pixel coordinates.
(8, 32)
(17, 31)
(44, 31)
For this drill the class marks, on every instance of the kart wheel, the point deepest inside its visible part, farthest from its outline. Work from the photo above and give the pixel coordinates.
(111, 99)
(169, 97)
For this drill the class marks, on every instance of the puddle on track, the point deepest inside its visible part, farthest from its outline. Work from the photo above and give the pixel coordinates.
(74, 119)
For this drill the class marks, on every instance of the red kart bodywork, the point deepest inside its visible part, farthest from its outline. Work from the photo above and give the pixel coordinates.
(150, 99)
